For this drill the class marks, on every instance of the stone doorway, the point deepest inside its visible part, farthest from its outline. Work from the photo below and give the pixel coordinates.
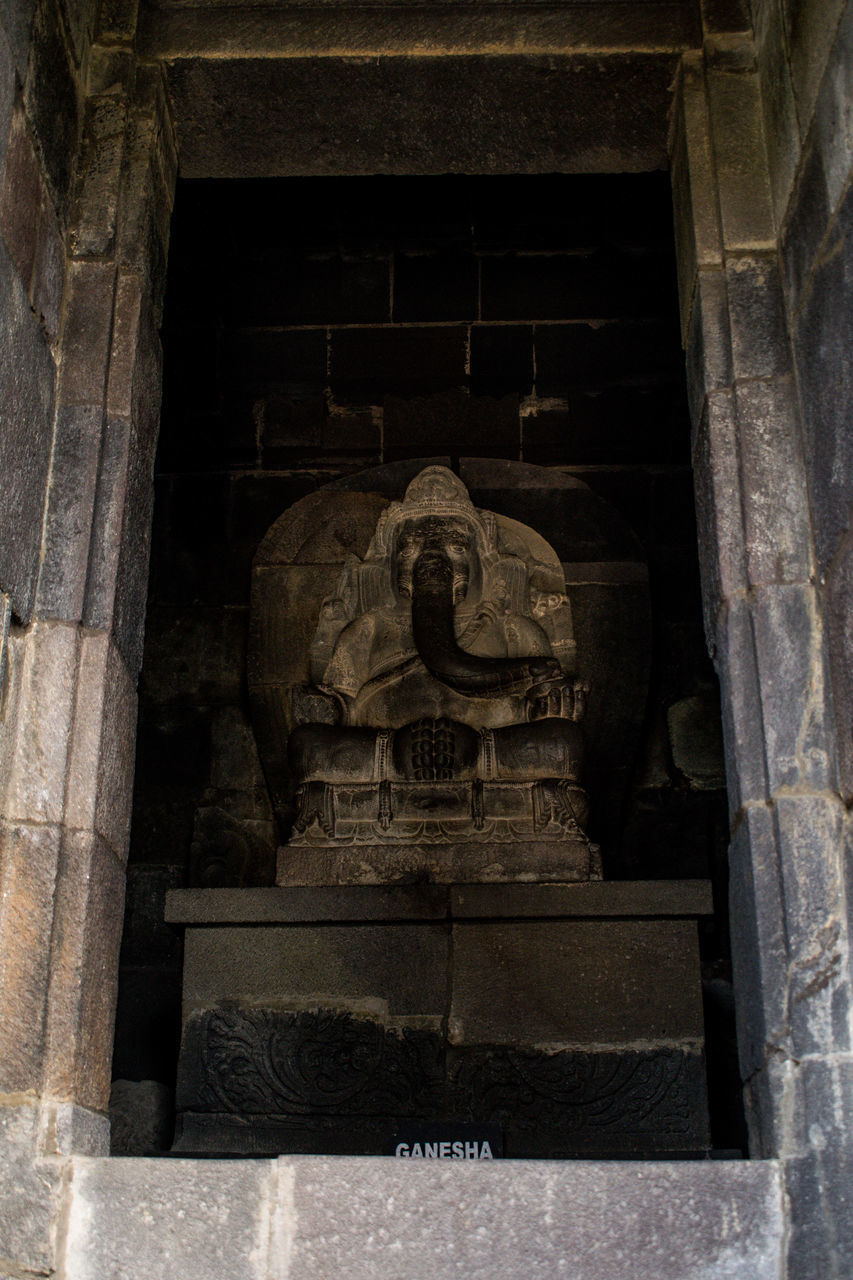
(356, 321)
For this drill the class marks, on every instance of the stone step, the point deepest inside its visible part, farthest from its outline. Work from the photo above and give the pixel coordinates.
(324, 1218)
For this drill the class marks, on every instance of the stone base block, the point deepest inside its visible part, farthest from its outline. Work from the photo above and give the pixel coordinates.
(460, 862)
(262, 1081)
(576, 1029)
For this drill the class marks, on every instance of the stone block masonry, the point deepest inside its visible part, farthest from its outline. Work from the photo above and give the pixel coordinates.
(372, 1219)
(341, 307)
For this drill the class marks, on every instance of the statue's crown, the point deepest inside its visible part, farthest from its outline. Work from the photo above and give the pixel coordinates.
(435, 491)
(438, 489)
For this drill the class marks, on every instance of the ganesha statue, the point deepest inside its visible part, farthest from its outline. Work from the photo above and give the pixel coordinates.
(439, 735)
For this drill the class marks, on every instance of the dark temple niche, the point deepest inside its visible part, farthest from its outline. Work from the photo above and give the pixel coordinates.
(448, 673)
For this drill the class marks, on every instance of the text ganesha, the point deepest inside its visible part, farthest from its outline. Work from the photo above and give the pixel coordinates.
(444, 1151)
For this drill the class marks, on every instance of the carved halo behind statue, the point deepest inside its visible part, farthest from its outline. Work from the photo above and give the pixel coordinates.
(439, 735)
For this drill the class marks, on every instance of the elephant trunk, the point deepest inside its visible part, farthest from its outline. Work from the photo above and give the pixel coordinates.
(435, 638)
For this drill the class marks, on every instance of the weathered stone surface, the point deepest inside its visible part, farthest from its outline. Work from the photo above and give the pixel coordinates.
(293, 905)
(180, 30)
(86, 333)
(258, 1080)
(810, 38)
(833, 114)
(214, 1219)
(100, 773)
(781, 129)
(825, 1088)
(84, 972)
(575, 983)
(131, 573)
(674, 1221)
(759, 948)
(118, 563)
(48, 282)
(52, 91)
(838, 621)
(808, 216)
(67, 1129)
(760, 347)
(329, 964)
(775, 499)
(129, 321)
(708, 345)
(16, 17)
(611, 899)
(698, 235)
(820, 1237)
(26, 392)
(811, 850)
(450, 861)
(823, 333)
(719, 508)
(43, 663)
(420, 115)
(7, 89)
(107, 523)
(790, 951)
(794, 696)
(79, 25)
(29, 857)
(95, 204)
(70, 502)
(424, 902)
(746, 207)
(743, 727)
(21, 195)
(30, 1195)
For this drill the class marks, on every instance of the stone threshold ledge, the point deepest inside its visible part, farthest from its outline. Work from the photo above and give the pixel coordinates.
(617, 899)
(312, 1217)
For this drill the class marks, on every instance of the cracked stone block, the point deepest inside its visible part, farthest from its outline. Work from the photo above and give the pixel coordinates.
(795, 706)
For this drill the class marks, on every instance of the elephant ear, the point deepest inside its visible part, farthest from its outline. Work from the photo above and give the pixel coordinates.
(309, 561)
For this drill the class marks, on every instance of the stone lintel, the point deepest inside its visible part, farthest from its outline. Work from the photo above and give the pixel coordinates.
(584, 111)
(615, 899)
(176, 31)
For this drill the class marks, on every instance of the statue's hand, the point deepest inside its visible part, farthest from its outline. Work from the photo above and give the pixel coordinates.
(565, 699)
(315, 706)
(544, 669)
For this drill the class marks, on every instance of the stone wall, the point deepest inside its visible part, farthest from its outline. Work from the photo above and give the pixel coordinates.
(765, 300)
(87, 174)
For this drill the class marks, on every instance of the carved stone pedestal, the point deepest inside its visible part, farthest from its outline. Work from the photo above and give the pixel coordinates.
(326, 1020)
